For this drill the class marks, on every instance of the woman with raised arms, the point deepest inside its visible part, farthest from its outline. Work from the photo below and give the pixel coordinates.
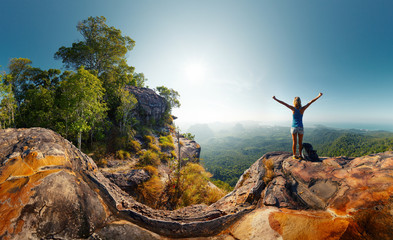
(297, 130)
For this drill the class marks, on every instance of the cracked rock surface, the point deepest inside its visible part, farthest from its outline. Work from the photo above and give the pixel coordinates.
(51, 190)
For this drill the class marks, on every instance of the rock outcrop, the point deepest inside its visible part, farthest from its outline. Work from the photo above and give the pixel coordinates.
(189, 149)
(338, 198)
(150, 106)
(128, 180)
(51, 190)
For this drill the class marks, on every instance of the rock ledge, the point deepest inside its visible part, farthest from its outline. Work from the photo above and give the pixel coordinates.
(49, 189)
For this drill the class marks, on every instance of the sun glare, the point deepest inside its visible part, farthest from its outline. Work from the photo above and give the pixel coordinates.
(195, 72)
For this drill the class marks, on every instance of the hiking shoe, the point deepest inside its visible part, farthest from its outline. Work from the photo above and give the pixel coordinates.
(295, 157)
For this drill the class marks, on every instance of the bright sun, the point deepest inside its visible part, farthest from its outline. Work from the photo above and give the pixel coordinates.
(195, 72)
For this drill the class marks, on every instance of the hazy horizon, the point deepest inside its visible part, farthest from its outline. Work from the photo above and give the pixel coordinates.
(228, 58)
(184, 126)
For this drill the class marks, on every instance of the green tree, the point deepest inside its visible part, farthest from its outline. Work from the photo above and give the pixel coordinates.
(139, 80)
(124, 111)
(27, 82)
(114, 82)
(103, 52)
(34, 90)
(171, 97)
(7, 104)
(17, 77)
(81, 103)
(48, 79)
(103, 47)
(38, 108)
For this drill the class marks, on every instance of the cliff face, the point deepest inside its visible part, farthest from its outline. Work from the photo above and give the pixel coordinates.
(49, 189)
(150, 105)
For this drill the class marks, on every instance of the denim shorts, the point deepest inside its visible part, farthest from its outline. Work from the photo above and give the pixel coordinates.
(297, 130)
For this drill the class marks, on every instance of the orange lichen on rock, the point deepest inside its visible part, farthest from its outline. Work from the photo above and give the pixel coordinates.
(307, 226)
(21, 167)
(35, 163)
(15, 167)
(363, 193)
(19, 225)
(19, 176)
(14, 195)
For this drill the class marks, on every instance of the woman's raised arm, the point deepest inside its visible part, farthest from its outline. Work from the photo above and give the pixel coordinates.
(308, 104)
(284, 103)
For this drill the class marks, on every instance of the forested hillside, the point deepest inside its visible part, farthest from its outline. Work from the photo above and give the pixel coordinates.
(90, 102)
(101, 104)
(229, 152)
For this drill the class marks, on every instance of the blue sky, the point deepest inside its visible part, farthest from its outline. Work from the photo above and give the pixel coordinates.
(228, 58)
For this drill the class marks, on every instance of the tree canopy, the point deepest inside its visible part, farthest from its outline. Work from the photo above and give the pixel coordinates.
(7, 104)
(101, 49)
(81, 102)
(170, 96)
(18, 76)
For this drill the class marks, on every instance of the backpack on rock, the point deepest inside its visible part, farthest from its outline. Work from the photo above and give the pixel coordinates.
(309, 153)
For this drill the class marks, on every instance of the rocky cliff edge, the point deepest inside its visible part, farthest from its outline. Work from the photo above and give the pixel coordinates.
(51, 190)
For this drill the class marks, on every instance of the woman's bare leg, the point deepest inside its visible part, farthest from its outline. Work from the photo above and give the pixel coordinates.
(300, 144)
(294, 142)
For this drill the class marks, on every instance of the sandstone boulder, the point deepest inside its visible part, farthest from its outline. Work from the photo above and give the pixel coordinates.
(42, 191)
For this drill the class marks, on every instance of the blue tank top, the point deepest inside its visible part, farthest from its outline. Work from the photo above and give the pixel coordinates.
(297, 118)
